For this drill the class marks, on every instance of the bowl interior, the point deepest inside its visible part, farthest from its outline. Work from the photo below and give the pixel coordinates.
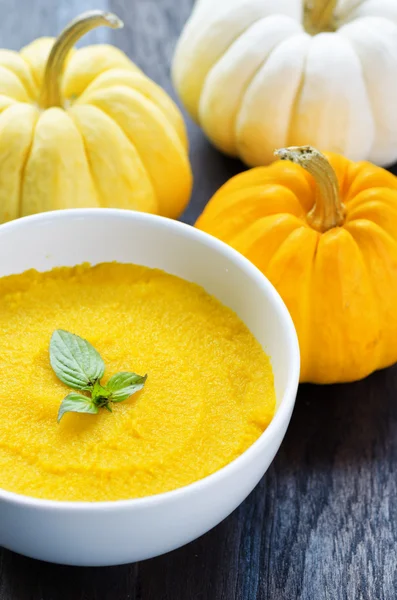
(67, 238)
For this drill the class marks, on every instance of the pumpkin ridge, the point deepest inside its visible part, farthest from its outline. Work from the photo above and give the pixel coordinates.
(18, 91)
(35, 79)
(73, 71)
(299, 228)
(83, 91)
(182, 135)
(56, 174)
(263, 238)
(257, 138)
(365, 196)
(247, 86)
(16, 126)
(371, 210)
(93, 178)
(32, 68)
(340, 165)
(6, 102)
(87, 157)
(234, 117)
(269, 175)
(379, 35)
(12, 60)
(230, 186)
(298, 95)
(194, 39)
(373, 225)
(171, 134)
(306, 312)
(225, 207)
(348, 15)
(170, 113)
(336, 304)
(28, 94)
(23, 168)
(123, 87)
(332, 115)
(364, 176)
(305, 299)
(378, 362)
(368, 95)
(97, 76)
(195, 112)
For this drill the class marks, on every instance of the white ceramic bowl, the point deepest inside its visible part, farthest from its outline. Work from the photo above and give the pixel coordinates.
(109, 533)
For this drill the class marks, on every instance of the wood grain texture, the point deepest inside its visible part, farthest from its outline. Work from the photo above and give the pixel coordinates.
(322, 524)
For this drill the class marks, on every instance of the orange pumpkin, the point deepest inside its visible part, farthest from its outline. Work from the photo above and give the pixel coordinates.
(323, 229)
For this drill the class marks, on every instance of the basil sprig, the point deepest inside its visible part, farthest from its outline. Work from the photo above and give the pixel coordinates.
(77, 364)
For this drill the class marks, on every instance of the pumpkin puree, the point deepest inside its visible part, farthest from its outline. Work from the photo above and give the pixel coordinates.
(209, 393)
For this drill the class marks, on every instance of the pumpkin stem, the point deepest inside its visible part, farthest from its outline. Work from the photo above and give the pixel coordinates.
(319, 16)
(328, 210)
(50, 92)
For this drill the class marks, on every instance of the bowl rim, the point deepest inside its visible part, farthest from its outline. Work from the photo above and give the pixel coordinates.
(286, 403)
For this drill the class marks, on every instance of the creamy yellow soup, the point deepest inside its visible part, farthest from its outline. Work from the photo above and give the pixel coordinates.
(208, 396)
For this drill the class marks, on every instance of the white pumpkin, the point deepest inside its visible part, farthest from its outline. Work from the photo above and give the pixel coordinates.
(264, 74)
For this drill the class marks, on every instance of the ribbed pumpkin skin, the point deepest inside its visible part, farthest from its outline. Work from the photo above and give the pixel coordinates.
(339, 286)
(258, 75)
(117, 141)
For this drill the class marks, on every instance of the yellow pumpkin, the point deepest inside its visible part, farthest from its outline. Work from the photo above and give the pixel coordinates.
(323, 229)
(87, 128)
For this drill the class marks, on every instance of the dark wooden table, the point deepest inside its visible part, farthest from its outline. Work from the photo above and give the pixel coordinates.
(322, 524)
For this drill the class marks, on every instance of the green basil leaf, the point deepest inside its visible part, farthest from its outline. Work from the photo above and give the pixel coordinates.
(74, 360)
(76, 403)
(99, 392)
(123, 385)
